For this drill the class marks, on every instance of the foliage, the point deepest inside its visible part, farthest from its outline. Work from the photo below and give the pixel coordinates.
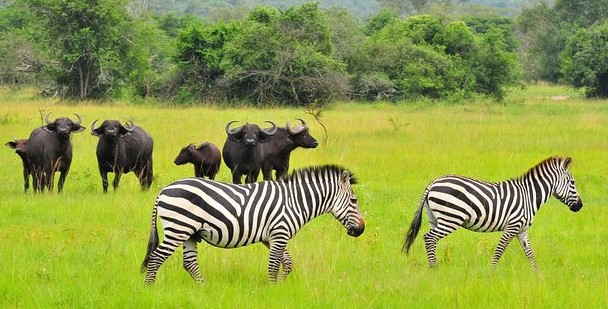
(283, 59)
(585, 60)
(297, 56)
(422, 57)
(543, 31)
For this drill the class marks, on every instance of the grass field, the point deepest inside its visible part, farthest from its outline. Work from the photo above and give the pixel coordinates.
(83, 248)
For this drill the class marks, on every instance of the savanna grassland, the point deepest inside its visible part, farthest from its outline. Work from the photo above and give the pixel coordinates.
(83, 248)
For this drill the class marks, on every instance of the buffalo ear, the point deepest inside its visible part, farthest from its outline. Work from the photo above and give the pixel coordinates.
(97, 131)
(264, 138)
(122, 130)
(11, 144)
(77, 128)
(236, 137)
(50, 127)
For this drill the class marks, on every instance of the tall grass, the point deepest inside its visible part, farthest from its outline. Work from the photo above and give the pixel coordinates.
(83, 248)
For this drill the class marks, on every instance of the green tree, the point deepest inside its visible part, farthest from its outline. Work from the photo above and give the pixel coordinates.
(91, 41)
(402, 62)
(585, 60)
(284, 59)
(583, 13)
(542, 36)
(495, 67)
(199, 53)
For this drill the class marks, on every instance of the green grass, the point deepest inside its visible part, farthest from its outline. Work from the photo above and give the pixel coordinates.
(82, 248)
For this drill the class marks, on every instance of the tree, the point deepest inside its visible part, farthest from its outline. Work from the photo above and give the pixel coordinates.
(283, 59)
(583, 13)
(585, 60)
(90, 40)
(199, 53)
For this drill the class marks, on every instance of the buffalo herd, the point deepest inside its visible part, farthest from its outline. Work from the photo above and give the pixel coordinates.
(248, 150)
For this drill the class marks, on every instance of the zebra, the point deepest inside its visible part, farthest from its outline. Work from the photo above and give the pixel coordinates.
(508, 206)
(234, 215)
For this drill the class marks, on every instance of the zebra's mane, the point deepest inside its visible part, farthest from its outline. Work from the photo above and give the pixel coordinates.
(318, 172)
(543, 164)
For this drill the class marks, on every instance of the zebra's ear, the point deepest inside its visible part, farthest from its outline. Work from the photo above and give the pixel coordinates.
(345, 177)
(567, 162)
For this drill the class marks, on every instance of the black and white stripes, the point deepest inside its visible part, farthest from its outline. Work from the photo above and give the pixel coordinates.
(508, 206)
(230, 216)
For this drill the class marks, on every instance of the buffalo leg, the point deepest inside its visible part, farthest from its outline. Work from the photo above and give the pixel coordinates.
(62, 177)
(117, 175)
(104, 180)
(37, 180)
(236, 177)
(26, 179)
(48, 179)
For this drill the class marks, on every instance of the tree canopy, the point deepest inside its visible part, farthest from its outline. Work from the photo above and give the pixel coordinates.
(295, 55)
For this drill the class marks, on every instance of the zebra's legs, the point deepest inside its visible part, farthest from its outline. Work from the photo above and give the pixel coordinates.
(430, 243)
(504, 241)
(287, 265)
(158, 257)
(191, 260)
(276, 257)
(525, 244)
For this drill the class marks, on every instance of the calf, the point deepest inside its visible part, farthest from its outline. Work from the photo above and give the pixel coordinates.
(206, 159)
(20, 146)
(122, 149)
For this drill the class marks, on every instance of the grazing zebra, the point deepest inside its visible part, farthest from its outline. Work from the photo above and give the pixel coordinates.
(233, 215)
(508, 206)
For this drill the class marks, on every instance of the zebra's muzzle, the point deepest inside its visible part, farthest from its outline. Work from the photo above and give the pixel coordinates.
(577, 206)
(358, 229)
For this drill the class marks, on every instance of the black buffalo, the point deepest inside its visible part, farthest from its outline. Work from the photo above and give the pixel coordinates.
(122, 149)
(275, 154)
(206, 159)
(49, 150)
(240, 153)
(20, 146)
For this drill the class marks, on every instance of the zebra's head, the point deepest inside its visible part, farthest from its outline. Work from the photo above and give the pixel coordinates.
(346, 208)
(565, 188)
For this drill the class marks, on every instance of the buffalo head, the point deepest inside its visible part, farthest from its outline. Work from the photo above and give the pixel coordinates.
(20, 145)
(63, 125)
(299, 135)
(112, 128)
(250, 134)
(184, 155)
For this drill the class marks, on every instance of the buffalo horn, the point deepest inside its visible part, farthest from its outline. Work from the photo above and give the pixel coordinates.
(93, 128)
(296, 129)
(79, 119)
(232, 131)
(129, 126)
(46, 119)
(270, 131)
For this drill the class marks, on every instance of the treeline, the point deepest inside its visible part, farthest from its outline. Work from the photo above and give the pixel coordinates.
(304, 54)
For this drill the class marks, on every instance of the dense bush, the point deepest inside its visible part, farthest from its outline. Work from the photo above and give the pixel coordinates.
(585, 60)
(271, 56)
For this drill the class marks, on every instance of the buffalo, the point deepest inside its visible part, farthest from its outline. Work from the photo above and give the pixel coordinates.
(20, 146)
(122, 149)
(49, 150)
(206, 159)
(275, 154)
(240, 153)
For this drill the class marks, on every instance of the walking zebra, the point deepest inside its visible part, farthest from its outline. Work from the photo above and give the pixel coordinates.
(233, 215)
(508, 206)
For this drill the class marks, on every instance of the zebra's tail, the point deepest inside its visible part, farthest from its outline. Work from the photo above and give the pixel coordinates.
(415, 225)
(153, 241)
